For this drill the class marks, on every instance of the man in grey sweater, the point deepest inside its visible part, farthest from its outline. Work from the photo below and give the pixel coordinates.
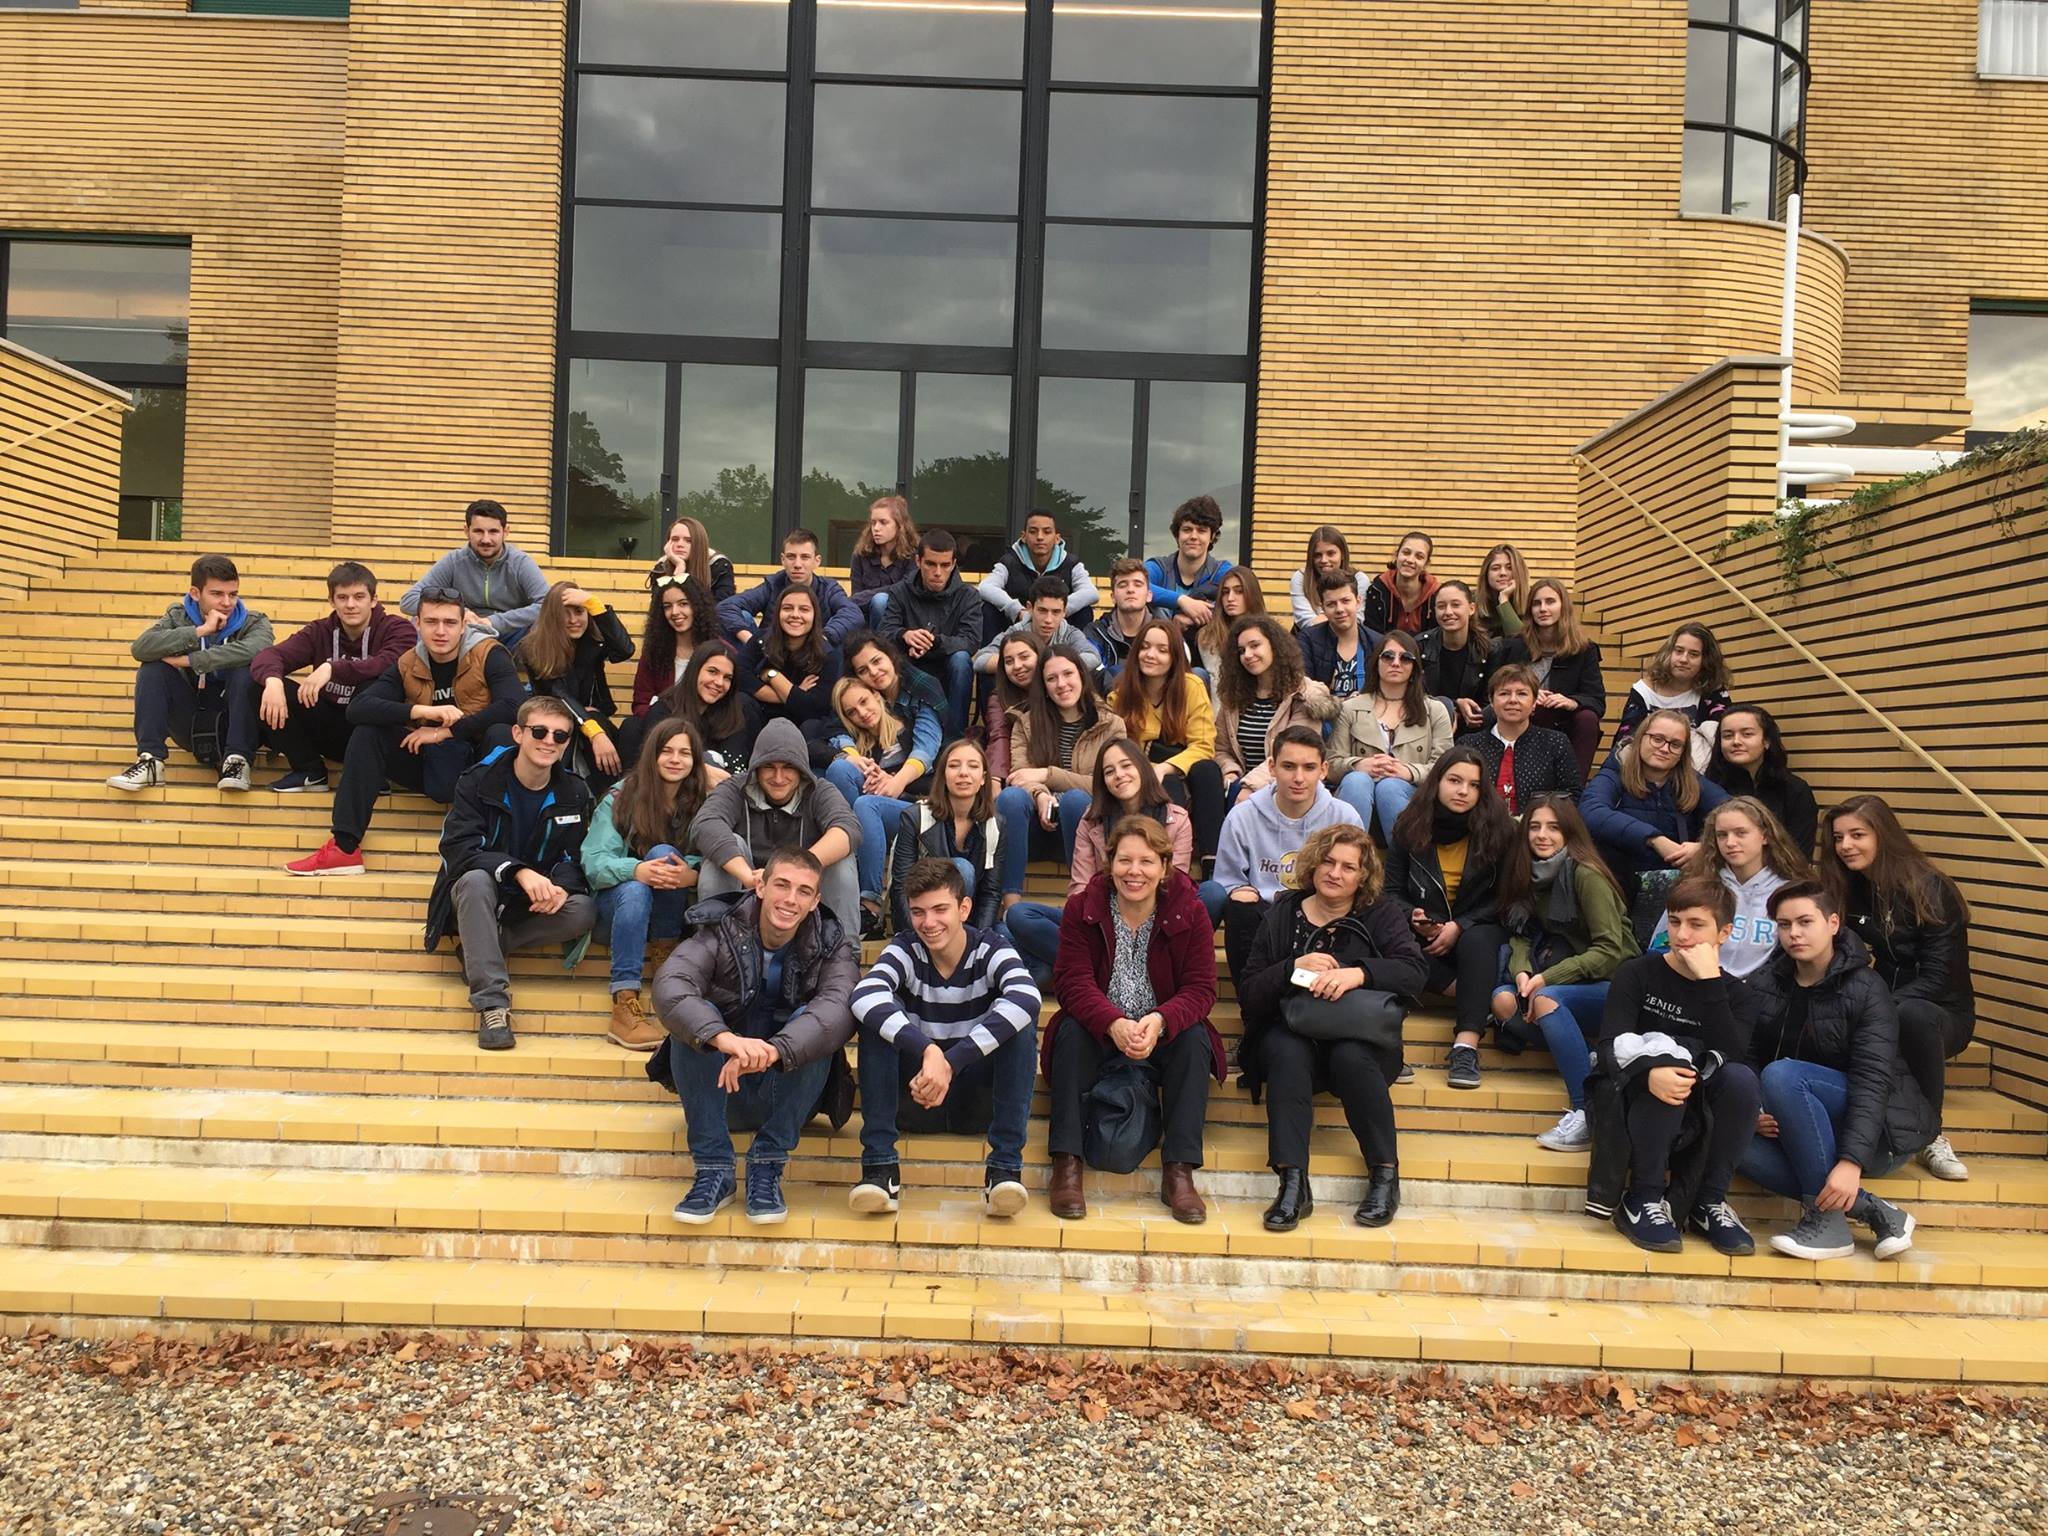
(500, 585)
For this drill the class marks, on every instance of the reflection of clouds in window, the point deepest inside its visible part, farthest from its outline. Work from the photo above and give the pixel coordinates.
(725, 455)
(1147, 290)
(675, 271)
(962, 442)
(912, 280)
(705, 141)
(696, 34)
(850, 421)
(612, 451)
(84, 302)
(1152, 157)
(1185, 42)
(916, 150)
(982, 42)
(2008, 371)
(1084, 464)
(1195, 448)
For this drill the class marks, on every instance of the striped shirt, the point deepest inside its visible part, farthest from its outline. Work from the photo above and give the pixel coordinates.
(988, 1001)
(1252, 727)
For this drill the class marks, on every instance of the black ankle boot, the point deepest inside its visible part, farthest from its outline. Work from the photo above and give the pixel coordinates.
(1292, 1203)
(1382, 1198)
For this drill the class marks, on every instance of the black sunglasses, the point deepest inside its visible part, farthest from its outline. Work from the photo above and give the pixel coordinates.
(1398, 658)
(558, 734)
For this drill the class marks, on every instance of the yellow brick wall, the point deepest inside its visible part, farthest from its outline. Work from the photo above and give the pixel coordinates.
(60, 466)
(227, 131)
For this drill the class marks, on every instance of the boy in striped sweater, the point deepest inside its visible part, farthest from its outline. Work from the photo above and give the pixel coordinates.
(944, 1002)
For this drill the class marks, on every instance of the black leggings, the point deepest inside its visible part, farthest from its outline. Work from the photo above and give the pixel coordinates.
(1732, 1094)
(1928, 1035)
(1200, 791)
(1468, 974)
(1357, 1074)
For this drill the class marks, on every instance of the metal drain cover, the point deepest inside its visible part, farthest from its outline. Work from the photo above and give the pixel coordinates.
(415, 1512)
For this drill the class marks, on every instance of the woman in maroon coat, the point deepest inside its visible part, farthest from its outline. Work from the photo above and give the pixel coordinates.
(1136, 980)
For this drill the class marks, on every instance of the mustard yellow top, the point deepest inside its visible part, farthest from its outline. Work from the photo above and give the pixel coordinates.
(1450, 858)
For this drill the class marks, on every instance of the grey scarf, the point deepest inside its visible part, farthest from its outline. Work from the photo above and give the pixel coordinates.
(1554, 892)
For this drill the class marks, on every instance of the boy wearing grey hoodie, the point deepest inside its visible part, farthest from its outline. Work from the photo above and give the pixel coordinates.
(500, 586)
(778, 803)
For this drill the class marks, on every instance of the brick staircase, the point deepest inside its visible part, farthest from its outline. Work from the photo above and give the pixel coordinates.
(231, 1097)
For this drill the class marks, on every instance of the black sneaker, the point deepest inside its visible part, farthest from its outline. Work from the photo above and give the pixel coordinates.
(298, 782)
(494, 1029)
(1464, 1064)
(1406, 1074)
(878, 1190)
(1723, 1229)
(1892, 1227)
(873, 924)
(1003, 1192)
(1649, 1226)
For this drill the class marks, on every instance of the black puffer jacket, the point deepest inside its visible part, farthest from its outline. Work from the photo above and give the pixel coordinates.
(1378, 939)
(1852, 1027)
(1928, 960)
(1417, 880)
(710, 982)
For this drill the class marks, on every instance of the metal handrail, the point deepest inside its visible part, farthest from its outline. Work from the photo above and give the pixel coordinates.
(58, 426)
(1786, 635)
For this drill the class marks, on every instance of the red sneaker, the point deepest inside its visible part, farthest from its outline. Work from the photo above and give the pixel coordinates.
(329, 860)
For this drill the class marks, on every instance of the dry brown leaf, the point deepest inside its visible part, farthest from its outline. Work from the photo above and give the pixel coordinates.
(1094, 1410)
(1521, 1490)
(411, 1420)
(1686, 1437)
(1306, 1408)
(1627, 1395)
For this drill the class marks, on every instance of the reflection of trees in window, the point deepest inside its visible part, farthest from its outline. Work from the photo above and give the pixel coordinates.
(737, 498)
(605, 512)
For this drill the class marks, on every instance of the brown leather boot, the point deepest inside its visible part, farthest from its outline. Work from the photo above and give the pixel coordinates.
(658, 950)
(630, 1027)
(1178, 1194)
(1064, 1194)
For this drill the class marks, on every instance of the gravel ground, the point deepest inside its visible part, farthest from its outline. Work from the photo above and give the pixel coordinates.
(155, 1437)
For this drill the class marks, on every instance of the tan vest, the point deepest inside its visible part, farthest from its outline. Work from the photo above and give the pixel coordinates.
(472, 692)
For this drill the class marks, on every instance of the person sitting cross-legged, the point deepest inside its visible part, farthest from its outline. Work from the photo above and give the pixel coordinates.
(757, 1002)
(949, 1013)
(511, 873)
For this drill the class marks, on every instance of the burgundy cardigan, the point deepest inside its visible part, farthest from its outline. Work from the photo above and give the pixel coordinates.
(1181, 960)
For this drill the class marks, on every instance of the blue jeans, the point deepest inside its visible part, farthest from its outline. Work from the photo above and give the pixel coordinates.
(878, 815)
(1382, 798)
(955, 674)
(1808, 1102)
(1566, 1029)
(1019, 817)
(629, 914)
(1034, 930)
(878, 604)
(884, 1071)
(779, 1101)
(167, 698)
(1215, 897)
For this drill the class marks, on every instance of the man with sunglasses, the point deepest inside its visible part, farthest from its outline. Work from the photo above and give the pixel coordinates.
(511, 862)
(1338, 652)
(419, 726)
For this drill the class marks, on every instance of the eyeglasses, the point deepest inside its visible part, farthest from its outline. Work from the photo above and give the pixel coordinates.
(1668, 743)
(1398, 658)
(559, 734)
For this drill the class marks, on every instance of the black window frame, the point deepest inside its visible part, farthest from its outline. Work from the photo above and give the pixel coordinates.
(1792, 145)
(1025, 362)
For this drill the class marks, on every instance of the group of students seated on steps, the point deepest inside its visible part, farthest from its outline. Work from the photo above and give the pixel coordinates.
(1387, 794)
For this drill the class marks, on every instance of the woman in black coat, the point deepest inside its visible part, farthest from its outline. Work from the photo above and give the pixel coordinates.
(1749, 759)
(1572, 694)
(1338, 923)
(564, 655)
(1444, 863)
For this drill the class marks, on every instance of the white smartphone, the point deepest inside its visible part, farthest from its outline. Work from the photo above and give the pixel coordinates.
(1304, 977)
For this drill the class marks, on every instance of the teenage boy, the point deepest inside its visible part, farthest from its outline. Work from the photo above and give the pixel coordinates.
(1675, 1027)
(1130, 596)
(355, 643)
(936, 618)
(838, 615)
(191, 681)
(1522, 759)
(756, 1003)
(1839, 1105)
(511, 868)
(1184, 583)
(779, 803)
(498, 583)
(1045, 617)
(944, 1004)
(419, 726)
(1041, 552)
(1261, 835)
(1338, 652)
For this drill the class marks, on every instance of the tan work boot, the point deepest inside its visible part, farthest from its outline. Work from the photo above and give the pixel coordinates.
(658, 950)
(630, 1027)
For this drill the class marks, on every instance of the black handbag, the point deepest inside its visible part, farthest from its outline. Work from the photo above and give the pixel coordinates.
(1363, 1014)
(1120, 1126)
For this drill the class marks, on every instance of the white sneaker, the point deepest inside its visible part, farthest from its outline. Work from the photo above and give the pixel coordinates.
(1939, 1159)
(234, 774)
(1570, 1134)
(145, 773)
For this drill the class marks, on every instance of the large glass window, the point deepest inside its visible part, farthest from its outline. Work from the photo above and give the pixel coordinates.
(2008, 367)
(954, 251)
(2012, 39)
(1745, 98)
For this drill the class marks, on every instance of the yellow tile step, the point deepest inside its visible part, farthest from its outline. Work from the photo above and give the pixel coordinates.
(1660, 1340)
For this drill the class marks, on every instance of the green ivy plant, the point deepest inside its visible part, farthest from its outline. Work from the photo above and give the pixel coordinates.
(1806, 530)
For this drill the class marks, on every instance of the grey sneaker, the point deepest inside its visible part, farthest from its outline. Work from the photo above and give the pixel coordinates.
(1939, 1159)
(234, 774)
(1406, 1074)
(1892, 1227)
(494, 1029)
(145, 772)
(1819, 1235)
(1570, 1134)
(1464, 1066)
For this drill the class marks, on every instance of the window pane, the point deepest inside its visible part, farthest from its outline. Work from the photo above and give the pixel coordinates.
(1706, 76)
(912, 280)
(2008, 371)
(725, 459)
(1157, 42)
(1152, 157)
(850, 421)
(1147, 290)
(1756, 77)
(153, 463)
(1084, 466)
(89, 303)
(1710, 10)
(984, 42)
(1759, 15)
(1749, 189)
(1788, 99)
(1195, 447)
(612, 447)
(917, 150)
(685, 141)
(704, 34)
(1794, 32)
(961, 480)
(1702, 180)
(675, 272)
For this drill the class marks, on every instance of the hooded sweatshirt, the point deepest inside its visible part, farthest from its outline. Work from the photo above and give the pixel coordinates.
(353, 663)
(508, 588)
(235, 644)
(1004, 587)
(1754, 937)
(739, 821)
(1386, 609)
(1259, 843)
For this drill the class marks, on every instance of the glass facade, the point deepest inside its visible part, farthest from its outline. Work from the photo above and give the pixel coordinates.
(2008, 368)
(993, 256)
(118, 310)
(1745, 107)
